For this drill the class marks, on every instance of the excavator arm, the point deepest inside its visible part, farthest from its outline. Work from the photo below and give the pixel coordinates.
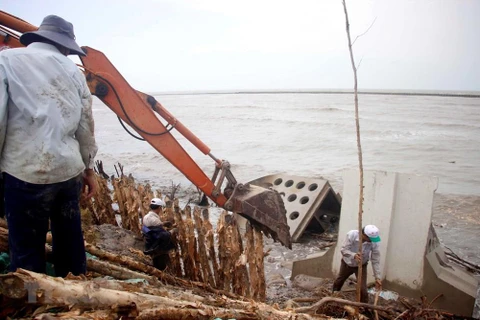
(262, 207)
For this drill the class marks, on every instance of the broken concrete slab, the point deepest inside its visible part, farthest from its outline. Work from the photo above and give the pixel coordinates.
(476, 309)
(308, 282)
(311, 204)
(413, 263)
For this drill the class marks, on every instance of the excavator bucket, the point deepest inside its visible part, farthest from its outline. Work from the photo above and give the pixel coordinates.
(264, 208)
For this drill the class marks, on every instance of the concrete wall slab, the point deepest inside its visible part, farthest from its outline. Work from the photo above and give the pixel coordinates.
(400, 205)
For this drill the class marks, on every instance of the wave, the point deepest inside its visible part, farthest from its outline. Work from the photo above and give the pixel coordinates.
(459, 126)
(420, 122)
(270, 107)
(324, 109)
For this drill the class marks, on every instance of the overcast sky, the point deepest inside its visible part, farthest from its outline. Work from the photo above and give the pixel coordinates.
(181, 45)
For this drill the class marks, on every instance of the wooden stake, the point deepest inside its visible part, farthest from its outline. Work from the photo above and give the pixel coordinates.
(191, 243)
(252, 265)
(359, 151)
(259, 256)
(182, 237)
(202, 251)
(210, 243)
(240, 273)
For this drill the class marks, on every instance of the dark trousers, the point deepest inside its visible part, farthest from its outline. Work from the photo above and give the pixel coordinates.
(345, 272)
(29, 208)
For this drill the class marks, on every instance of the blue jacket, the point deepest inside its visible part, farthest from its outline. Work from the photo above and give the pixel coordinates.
(157, 240)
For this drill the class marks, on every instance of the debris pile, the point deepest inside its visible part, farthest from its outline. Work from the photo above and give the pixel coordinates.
(212, 273)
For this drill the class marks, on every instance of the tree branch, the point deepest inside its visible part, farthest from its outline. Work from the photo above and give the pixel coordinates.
(365, 31)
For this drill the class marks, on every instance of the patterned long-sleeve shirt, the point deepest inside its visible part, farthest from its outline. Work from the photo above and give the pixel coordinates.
(371, 251)
(46, 121)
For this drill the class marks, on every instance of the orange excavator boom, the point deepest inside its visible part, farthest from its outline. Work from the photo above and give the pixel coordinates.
(262, 207)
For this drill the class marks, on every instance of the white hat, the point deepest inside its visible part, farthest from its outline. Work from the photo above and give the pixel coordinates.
(157, 202)
(372, 232)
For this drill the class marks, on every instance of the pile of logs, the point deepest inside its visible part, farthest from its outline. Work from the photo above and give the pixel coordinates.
(213, 273)
(29, 294)
(217, 258)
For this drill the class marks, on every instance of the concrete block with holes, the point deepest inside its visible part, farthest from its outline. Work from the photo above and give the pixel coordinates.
(311, 204)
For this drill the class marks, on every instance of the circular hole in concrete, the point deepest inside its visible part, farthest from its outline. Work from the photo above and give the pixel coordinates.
(294, 215)
(278, 181)
(313, 187)
(304, 200)
(289, 183)
(292, 197)
(300, 185)
(282, 194)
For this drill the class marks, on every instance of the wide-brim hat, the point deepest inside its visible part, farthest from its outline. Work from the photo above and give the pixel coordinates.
(57, 30)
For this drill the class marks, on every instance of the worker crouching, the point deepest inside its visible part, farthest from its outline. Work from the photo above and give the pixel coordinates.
(351, 259)
(158, 241)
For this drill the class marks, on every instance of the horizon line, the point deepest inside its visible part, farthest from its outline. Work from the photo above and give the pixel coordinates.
(442, 93)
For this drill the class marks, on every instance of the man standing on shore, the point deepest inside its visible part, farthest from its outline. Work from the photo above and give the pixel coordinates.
(351, 258)
(47, 147)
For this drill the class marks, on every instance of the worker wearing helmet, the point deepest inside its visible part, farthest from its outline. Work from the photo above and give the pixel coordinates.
(351, 258)
(158, 241)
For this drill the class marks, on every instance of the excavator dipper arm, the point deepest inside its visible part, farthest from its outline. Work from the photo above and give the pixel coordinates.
(137, 110)
(263, 207)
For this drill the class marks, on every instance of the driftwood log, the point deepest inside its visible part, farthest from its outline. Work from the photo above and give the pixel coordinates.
(41, 289)
(146, 270)
(59, 291)
(118, 272)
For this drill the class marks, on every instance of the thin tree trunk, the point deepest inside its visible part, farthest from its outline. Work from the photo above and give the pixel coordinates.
(360, 160)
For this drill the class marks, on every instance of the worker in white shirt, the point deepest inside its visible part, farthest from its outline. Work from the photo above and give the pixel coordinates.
(351, 258)
(47, 147)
